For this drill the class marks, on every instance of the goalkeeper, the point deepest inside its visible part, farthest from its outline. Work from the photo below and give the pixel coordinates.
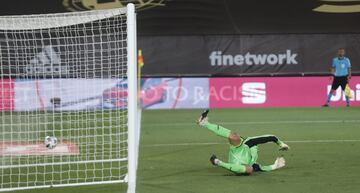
(243, 151)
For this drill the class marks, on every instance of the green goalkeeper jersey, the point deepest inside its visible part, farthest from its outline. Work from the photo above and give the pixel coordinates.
(245, 154)
(242, 154)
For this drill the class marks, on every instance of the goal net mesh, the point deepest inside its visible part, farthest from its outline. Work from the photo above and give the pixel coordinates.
(63, 75)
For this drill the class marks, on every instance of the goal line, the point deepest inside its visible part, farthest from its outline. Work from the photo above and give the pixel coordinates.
(63, 163)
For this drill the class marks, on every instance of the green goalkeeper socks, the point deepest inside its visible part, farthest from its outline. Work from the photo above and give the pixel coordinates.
(239, 169)
(218, 130)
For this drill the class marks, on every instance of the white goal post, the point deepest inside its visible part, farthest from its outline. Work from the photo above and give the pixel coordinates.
(72, 76)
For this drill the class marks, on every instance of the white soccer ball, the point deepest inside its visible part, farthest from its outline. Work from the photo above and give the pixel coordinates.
(50, 142)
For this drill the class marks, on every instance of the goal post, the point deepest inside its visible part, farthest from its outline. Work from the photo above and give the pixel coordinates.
(132, 99)
(72, 76)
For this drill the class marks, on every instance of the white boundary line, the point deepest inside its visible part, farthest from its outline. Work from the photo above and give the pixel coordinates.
(258, 122)
(295, 141)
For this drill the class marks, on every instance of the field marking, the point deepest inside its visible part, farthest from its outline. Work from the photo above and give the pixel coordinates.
(257, 122)
(294, 141)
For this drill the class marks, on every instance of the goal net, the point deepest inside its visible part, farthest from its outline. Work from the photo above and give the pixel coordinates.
(71, 76)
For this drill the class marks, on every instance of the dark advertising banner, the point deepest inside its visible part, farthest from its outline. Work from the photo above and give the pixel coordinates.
(197, 17)
(78, 51)
(238, 55)
(246, 55)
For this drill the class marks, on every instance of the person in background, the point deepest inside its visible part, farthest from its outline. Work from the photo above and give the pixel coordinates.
(341, 70)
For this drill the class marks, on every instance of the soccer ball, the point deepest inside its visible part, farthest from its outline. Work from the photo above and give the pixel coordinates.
(50, 142)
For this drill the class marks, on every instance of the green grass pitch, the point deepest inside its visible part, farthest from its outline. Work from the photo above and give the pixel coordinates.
(174, 152)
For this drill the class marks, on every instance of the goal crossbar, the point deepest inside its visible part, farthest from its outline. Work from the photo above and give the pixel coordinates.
(55, 19)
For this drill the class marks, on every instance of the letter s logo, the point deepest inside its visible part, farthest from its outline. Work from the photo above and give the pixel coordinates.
(254, 93)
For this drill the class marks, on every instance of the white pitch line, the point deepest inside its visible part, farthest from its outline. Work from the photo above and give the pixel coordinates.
(257, 122)
(182, 144)
(325, 141)
(295, 141)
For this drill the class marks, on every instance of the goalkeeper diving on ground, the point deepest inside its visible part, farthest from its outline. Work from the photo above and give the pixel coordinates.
(243, 153)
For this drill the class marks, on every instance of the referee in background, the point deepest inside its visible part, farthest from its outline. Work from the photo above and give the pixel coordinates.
(341, 70)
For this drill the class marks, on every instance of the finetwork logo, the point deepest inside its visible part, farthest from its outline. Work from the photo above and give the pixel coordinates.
(217, 58)
(46, 62)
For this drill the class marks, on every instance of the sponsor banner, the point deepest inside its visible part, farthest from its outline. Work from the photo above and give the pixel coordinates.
(162, 93)
(182, 93)
(61, 94)
(179, 93)
(21, 149)
(277, 92)
(246, 55)
(94, 94)
(7, 94)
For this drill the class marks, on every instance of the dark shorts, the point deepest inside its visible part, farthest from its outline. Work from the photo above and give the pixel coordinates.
(339, 81)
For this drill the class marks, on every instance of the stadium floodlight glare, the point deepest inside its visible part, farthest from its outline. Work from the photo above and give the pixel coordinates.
(95, 145)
